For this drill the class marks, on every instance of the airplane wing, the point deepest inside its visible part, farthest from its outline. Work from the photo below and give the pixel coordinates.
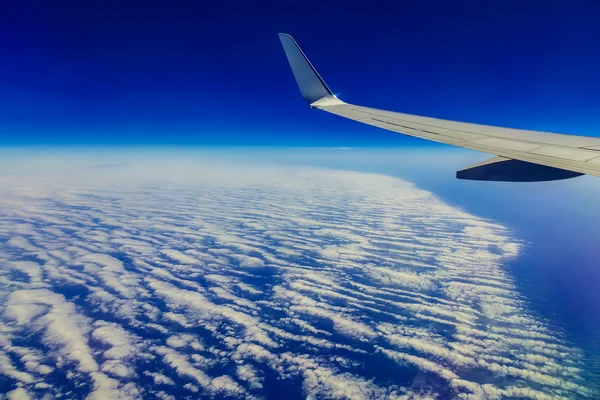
(519, 155)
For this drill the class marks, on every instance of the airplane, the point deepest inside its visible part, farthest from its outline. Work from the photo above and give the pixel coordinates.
(519, 155)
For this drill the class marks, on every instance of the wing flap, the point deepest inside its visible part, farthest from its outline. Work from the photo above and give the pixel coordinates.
(506, 144)
(594, 161)
(565, 153)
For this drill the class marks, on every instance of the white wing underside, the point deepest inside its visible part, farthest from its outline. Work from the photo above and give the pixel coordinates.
(577, 154)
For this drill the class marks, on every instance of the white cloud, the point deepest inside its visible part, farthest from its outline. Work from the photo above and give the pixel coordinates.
(18, 394)
(62, 327)
(180, 257)
(249, 374)
(160, 379)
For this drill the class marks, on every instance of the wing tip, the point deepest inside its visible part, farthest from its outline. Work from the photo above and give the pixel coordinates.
(310, 83)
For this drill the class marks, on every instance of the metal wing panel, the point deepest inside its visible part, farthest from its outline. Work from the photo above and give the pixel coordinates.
(574, 153)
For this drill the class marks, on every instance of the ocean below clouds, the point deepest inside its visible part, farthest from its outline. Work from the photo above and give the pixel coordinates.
(143, 276)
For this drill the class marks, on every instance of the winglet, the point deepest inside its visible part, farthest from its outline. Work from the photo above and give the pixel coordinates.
(312, 86)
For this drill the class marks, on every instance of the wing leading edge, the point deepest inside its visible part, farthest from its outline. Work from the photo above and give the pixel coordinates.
(521, 155)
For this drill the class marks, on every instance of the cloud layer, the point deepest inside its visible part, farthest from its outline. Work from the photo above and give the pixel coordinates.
(244, 282)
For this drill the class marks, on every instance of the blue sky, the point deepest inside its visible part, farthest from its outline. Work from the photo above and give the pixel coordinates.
(208, 73)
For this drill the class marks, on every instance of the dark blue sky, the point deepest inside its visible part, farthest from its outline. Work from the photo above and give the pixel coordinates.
(214, 73)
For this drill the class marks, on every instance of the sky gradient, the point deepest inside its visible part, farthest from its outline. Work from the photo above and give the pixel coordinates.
(207, 73)
(100, 89)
